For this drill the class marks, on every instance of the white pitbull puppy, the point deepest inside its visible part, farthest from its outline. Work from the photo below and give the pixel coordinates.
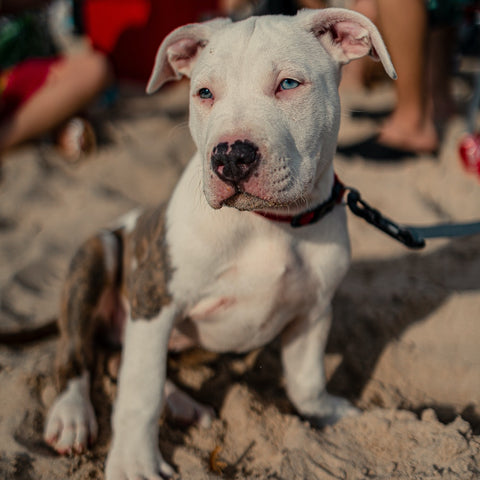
(222, 266)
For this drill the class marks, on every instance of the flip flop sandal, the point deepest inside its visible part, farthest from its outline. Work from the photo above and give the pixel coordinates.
(370, 114)
(373, 149)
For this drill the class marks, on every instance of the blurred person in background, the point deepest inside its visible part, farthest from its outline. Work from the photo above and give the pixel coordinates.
(421, 38)
(41, 90)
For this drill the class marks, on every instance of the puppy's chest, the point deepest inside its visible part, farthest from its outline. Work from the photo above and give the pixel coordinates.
(251, 298)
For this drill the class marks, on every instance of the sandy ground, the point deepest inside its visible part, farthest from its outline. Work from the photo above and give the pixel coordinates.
(404, 345)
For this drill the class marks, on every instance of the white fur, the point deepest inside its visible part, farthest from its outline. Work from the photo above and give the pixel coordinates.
(128, 221)
(110, 247)
(239, 279)
(71, 422)
(135, 420)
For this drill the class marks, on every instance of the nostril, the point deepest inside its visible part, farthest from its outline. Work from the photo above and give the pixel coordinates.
(234, 162)
(244, 152)
(219, 158)
(221, 149)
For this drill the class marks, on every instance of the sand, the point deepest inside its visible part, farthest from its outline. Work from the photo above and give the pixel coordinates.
(404, 345)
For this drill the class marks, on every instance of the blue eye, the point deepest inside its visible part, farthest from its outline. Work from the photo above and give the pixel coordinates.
(205, 93)
(288, 84)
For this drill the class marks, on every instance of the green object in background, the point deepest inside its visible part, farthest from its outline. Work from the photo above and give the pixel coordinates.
(24, 36)
(446, 12)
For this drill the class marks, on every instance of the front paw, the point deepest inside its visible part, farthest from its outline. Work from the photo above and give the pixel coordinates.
(71, 425)
(329, 409)
(136, 460)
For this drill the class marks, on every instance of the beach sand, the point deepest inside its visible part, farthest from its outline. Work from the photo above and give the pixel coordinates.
(404, 345)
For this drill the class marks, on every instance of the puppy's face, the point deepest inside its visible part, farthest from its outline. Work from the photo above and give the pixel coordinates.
(264, 107)
(264, 114)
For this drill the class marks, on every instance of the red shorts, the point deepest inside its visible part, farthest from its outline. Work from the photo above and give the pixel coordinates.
(20, 82)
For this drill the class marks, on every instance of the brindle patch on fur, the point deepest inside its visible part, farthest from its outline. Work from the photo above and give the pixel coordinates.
(147, 265)
(86, 281)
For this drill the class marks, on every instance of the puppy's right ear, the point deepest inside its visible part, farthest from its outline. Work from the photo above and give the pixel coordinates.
(178, 52)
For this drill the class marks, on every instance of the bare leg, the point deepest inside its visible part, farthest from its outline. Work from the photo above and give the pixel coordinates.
(441, 52)
(404, 27)
(71, 85)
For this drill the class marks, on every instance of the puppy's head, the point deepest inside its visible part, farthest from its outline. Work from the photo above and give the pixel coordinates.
(264, 106)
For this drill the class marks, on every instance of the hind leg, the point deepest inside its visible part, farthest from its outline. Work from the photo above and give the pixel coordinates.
(90, 302)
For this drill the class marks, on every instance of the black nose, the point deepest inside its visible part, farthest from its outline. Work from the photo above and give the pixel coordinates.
(235, 162)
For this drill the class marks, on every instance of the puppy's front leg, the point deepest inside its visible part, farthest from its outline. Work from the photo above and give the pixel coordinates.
(303, 346)
(134, 452)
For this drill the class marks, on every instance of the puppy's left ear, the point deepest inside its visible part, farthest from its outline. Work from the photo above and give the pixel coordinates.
(179, 51)
(347, 35)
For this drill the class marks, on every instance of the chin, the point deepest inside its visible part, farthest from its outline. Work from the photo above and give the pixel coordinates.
(248, 202)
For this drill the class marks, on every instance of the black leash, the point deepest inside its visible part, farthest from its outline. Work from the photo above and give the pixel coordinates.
(411, 236)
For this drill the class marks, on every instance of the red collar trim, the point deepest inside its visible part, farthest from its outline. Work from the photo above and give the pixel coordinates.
(313, 215)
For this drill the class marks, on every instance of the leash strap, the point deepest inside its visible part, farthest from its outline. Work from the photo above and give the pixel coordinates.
(411, 236)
